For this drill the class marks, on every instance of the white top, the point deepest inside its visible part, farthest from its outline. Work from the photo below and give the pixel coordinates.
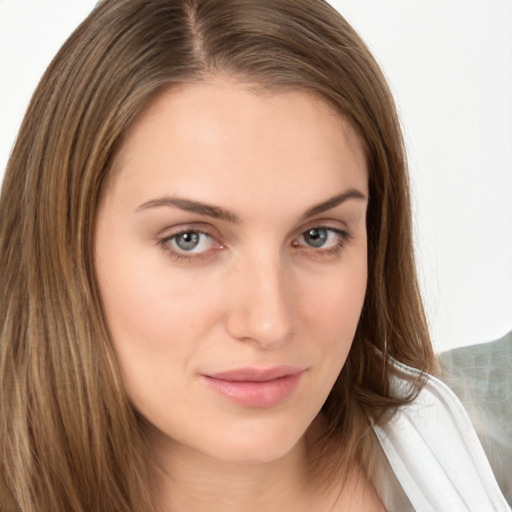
(437, 461)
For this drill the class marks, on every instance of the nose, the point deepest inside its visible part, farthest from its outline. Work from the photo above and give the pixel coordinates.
(262, 303)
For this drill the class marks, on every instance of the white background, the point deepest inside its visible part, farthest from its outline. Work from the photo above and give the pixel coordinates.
(449, 63)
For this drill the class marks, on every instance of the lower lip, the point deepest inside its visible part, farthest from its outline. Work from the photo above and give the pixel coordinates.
(255, 394)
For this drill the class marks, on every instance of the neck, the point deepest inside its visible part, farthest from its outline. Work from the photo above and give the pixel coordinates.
(306, 479)
(188, 481)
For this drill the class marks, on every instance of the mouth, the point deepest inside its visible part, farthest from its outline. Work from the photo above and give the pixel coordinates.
(255, 387)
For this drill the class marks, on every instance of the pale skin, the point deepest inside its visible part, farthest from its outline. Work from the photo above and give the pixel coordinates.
(230, 235)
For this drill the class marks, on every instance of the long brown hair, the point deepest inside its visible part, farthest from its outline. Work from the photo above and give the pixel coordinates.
(69, 439)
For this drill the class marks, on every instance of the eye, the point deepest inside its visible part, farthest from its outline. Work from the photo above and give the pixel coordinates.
(189, 242)
(322, 238)
(316, 237)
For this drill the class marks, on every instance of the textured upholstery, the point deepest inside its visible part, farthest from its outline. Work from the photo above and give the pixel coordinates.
(481, 376)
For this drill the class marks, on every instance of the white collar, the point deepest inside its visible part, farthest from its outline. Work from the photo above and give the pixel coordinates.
(434, 452)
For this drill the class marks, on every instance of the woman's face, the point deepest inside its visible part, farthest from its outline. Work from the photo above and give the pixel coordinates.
(231, 258)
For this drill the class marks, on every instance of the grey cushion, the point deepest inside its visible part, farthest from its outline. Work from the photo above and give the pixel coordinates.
(481, 376)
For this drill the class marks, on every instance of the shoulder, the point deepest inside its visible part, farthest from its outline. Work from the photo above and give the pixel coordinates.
(434, 451)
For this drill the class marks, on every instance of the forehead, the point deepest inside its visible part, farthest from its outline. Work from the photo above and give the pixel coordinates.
(226, 139)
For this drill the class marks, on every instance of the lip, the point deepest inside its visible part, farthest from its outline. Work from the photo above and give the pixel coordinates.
(255, 387)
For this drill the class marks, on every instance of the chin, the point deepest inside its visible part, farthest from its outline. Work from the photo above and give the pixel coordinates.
(238, 453)
(256, 437)
(257, 445)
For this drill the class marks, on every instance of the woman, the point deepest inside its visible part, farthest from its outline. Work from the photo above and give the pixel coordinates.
(207, 270)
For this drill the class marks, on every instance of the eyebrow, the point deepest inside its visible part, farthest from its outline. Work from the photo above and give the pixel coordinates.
(351, 193)
(220, 213)
(191, 206)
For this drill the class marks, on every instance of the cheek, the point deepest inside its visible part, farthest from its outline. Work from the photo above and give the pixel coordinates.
(157, 318)
(332, 315)
(157, 327)
(146, 304)
(336, 304)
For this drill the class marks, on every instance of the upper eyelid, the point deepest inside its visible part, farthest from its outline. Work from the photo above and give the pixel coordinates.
(323, 223)
(340, 232)
(196, 227)
(210, 231)
(332, 225)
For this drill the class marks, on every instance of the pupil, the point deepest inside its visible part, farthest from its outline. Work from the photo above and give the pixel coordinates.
(316, 237)
(187, 241)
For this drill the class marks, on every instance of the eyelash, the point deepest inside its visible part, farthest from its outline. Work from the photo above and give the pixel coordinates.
(343, 238)
(184, 256)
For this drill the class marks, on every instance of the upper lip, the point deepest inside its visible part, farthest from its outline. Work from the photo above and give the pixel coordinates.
(256, 374)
